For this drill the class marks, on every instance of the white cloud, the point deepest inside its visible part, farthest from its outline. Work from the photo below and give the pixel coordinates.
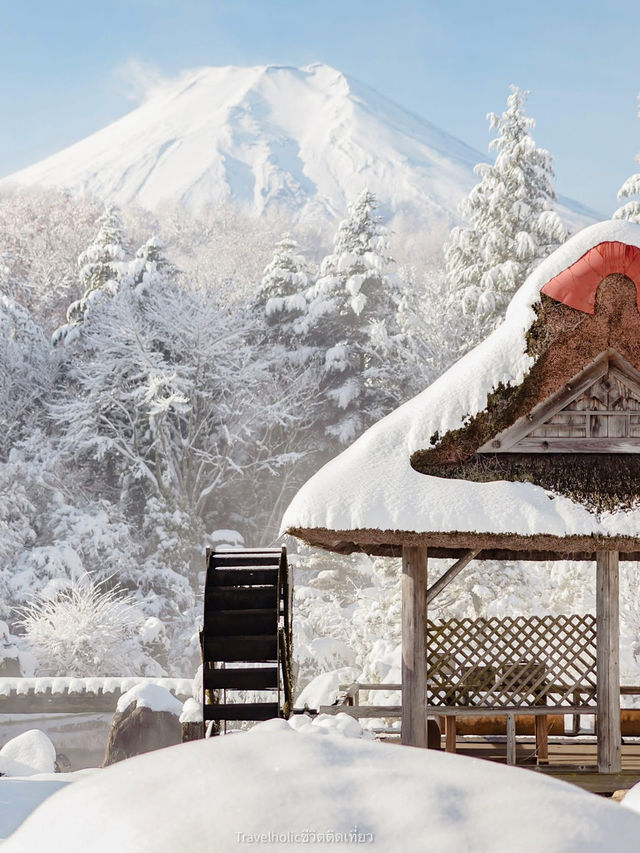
(137, 79)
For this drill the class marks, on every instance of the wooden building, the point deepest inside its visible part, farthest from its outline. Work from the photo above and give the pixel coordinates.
(528, 448)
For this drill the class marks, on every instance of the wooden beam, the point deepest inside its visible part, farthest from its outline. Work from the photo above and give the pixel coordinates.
(451, 573)
(551, 444)
(363, 712)
(608, 661)
(414, 659)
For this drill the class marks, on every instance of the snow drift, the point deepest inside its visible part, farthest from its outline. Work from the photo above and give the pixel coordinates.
(276, 786)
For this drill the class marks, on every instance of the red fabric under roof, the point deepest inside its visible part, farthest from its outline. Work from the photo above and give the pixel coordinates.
(577, 285)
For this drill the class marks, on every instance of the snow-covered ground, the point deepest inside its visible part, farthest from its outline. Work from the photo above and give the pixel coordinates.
(286, 790)
(27, 771)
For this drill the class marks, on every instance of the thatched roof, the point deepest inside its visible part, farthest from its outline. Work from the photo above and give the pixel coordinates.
(530, 443)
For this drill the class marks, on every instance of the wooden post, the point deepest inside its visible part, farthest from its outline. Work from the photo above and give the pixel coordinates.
(450, 733)
(542, 739)
(414, 660)
(511, 739)
(608, 661)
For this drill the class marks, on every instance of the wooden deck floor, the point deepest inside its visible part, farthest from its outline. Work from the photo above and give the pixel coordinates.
(573, 760)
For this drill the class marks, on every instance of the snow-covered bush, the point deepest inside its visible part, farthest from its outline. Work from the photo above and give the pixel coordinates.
(86, 629)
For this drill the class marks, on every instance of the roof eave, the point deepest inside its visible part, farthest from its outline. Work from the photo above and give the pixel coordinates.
(493, 546)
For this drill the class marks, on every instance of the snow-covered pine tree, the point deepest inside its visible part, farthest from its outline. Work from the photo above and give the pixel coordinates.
(281, 295)
(352, 322)
(631, 187)
(100, 269)
(277, 336)
(512, 222)
(150, 267)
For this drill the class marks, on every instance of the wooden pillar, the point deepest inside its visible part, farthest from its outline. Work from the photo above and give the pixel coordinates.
(542, 738)
(608, 661)
(414, 661)
(450, 733)
(511, 739)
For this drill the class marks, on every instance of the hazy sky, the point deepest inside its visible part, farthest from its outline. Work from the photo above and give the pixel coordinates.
(68, 68)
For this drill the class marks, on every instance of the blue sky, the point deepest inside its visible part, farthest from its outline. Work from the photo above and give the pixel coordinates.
(68, 68)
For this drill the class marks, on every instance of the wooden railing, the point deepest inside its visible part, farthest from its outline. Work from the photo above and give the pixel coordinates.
(349, 702)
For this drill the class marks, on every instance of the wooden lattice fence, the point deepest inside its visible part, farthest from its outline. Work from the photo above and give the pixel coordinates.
(512, 662)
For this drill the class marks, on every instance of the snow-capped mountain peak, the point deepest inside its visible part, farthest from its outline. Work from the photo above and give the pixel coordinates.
(306, 140)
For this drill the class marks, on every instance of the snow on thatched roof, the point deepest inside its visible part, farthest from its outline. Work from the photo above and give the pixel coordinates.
(371, 495)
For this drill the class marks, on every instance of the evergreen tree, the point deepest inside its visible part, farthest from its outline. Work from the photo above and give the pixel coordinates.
(100, 270)
(512, 223)
(631, 187)
(150, 268)
(351, 320)
(281, 296)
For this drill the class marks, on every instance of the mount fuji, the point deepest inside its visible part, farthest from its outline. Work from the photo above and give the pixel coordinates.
(304, 141)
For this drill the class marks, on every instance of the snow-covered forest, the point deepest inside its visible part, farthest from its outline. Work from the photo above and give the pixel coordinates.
(168, 383)
(170, 380)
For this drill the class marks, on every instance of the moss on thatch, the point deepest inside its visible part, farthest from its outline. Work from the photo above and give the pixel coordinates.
(563, 341)
(600, 481)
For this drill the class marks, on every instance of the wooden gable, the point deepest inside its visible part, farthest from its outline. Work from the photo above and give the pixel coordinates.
(598, 411)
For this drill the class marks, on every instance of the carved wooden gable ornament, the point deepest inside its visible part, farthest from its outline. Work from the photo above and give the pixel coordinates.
(598, 411)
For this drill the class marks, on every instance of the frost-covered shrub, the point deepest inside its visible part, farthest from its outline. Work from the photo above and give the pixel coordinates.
(87, 629)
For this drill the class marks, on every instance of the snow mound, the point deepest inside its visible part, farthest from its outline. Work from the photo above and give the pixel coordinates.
(150, 696)
(371, 485)
(324, 724)
(222, 793)
(191, 711)
(324, 688)
(27, 754)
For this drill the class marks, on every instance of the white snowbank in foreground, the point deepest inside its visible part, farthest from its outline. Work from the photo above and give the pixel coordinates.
(20, 796)
(27, 754)
(150, 696)
(222, 793)
(372, 484)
